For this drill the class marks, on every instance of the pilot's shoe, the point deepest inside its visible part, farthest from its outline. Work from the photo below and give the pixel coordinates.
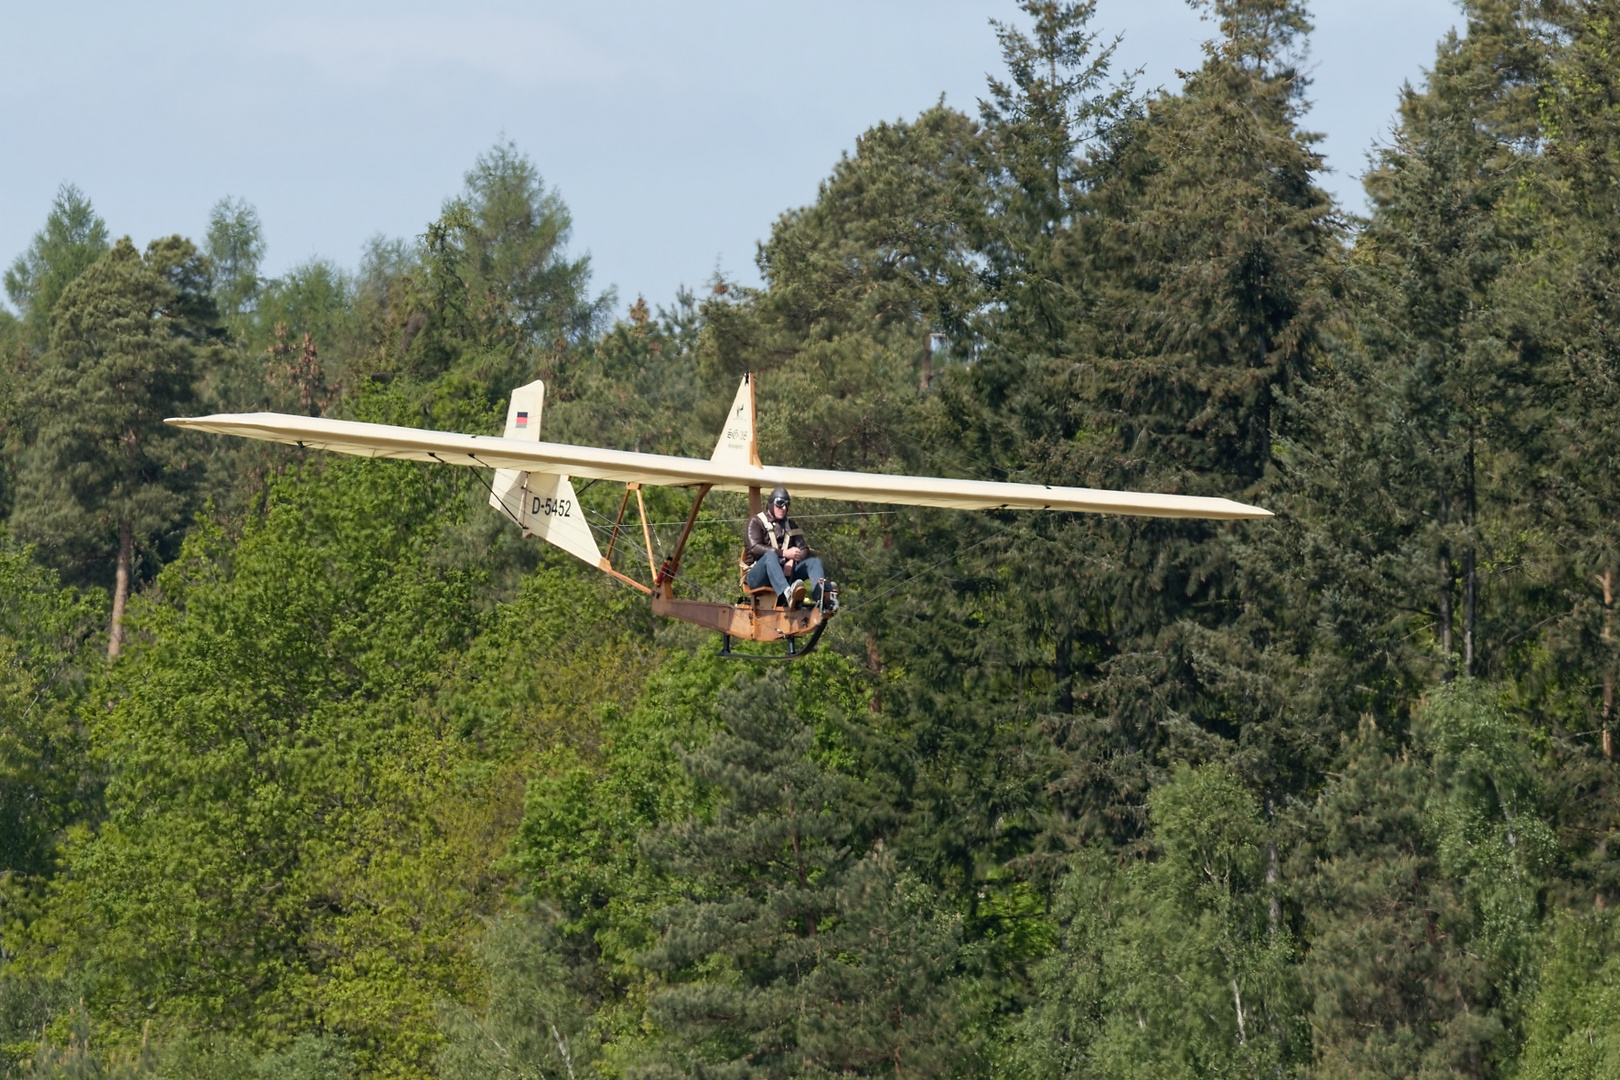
(796, 593)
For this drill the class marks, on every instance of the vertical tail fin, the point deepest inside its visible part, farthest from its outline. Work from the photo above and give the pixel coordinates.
(737, 445)
(543, 504)
(522, 422)
(523, 411)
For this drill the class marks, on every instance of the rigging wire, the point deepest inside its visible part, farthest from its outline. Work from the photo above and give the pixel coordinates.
(625, 540)
(630, 545)
(796, 517)
(711, 594)
(487, 487)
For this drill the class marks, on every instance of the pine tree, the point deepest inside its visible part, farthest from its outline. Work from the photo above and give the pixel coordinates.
(1186, 281)
(801, 949)
(74, 237)
(1448, 374)
(1564, 297)
(1037, 127)
(105, 476)
(512, 233)
(1420, 892)
(1215, 254)
(869, 288)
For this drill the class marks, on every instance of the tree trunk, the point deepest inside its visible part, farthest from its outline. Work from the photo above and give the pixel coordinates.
(1608, 663)
(1470, 568)
(1447, 577)
(1063, 673)
(1447, 581)
(126, 555)
(874, 663)
(1273, 874)
(1470, 605)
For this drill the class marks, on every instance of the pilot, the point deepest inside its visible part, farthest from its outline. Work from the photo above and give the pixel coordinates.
(777, 554)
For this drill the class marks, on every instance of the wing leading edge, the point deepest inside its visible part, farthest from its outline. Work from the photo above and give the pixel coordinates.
(415, 444)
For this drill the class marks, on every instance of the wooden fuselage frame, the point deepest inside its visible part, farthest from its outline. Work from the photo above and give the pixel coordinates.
(756, 618)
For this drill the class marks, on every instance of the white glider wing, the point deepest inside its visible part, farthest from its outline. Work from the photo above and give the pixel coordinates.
(728, 472)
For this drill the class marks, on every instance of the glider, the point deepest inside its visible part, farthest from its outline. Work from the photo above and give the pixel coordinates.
(533, 486)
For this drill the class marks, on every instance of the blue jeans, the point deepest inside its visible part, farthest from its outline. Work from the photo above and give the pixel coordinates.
(768, 567)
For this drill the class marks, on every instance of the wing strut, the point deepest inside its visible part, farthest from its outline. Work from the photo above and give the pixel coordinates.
(605, 564)
(672, 565)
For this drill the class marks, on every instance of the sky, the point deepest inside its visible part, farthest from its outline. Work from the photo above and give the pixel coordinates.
(676, 132)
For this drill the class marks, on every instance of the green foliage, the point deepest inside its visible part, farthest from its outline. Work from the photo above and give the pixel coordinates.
(637, 386)
(1484, 816)
(1180, 966)
(537, 1023)
(1449, 367)
(1423, 895)
(267, 806)
(1573, 1030)
(235, 247)
(510, 233)
(219, 1058)
(870, 287)
(379, 789)
(799, 948)
(46, 780)
(73, 238)
(127, 339)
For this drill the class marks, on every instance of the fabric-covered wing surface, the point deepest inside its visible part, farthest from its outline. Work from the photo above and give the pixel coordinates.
(414, 444)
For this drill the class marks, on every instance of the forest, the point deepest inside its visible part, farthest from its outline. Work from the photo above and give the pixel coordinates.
(312, 769)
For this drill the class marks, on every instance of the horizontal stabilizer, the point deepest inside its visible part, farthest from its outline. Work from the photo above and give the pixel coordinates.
(542, 504)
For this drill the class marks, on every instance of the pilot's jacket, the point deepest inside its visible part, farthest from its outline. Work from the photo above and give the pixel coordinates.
(765, 533)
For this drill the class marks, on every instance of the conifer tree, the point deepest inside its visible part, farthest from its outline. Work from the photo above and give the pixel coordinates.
(105, 476)
(1194, 260)
(1420, 893)
(1439, 237)
(512, 234)
(1215, 254)
(871, 287)
(1037, 128)
(1560, 298)
(801, 949)
(74, 236)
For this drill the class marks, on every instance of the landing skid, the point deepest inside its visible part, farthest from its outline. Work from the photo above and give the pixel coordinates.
(793, 650)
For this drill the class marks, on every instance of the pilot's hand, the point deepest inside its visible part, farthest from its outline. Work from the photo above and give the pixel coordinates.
(794, 554)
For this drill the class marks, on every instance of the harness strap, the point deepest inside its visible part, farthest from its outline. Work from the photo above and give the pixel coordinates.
(781, 542)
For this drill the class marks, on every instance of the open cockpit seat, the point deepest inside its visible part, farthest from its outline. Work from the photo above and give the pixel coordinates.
(749, 594)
